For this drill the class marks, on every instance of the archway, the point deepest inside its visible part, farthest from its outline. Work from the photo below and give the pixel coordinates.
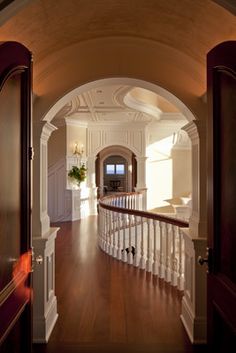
(114, 155)
(192, 130)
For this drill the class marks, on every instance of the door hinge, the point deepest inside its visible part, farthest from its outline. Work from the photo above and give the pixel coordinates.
(31, 153)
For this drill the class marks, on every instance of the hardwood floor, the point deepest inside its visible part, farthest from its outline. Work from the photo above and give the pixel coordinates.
(107, 306)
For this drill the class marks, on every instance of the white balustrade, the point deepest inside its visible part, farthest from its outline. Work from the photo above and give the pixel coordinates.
(149, 241)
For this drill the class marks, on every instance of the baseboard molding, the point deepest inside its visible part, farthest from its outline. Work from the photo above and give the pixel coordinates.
(194, 326)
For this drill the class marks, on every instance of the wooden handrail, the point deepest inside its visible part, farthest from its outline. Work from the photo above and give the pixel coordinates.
(150, 241)
(144, 214)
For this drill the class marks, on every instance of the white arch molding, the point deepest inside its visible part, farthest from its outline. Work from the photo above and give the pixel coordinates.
(46, 313)
(116, 81)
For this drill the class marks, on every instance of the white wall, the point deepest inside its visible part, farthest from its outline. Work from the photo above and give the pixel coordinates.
(159, 173)
(182, 172)
(57, 145)
(75, 133)
(169, 172)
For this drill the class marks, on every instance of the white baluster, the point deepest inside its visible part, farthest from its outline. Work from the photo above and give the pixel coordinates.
(181, 261)
(107, 231)
(155, 262)
(124, 253)
(130, 255)
(119, 237)
(101, 231)
(174, 260)
(114, 252)
(162, 259)
(142, 258)
(136, 246)
(167, 253)
(110, 233)
(149, 248)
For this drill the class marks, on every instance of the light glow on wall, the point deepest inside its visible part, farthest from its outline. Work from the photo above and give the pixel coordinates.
(159, 173)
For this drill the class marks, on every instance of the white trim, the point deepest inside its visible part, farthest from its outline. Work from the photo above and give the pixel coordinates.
(77, 123)
(47, 130)
(119, 81)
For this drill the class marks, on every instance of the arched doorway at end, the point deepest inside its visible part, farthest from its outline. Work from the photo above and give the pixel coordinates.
(116, 170)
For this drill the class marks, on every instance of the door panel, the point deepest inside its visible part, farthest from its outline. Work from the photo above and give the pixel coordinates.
(221, 197)
(10, 145)
(15, 206)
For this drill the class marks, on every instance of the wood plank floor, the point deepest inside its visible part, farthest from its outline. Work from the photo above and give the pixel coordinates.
(107, 306)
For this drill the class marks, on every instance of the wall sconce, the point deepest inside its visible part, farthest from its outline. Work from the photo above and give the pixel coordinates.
(78, 150)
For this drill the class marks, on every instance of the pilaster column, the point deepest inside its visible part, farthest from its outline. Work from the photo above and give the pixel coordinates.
(196, 131)
(45, 302)
(193, 313)
(91, 184)
(141, 180)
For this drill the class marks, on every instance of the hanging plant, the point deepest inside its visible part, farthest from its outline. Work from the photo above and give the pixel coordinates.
(78, 173)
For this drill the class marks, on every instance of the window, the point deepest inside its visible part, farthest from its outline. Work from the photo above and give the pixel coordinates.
(120, 169)
(112, 169)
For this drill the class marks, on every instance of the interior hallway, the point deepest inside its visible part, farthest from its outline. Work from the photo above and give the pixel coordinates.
(107, 306)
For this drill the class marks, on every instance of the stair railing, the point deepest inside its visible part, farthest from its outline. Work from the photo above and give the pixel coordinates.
(150, 241)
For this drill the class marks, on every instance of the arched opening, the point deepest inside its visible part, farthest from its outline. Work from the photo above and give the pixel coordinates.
(116, 170)
(112, 118)
(100, 138)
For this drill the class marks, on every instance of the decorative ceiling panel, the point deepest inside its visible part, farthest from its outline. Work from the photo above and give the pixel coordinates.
(115, 103)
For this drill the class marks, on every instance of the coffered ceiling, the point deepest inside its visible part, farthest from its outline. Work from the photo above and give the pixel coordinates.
(118, 103)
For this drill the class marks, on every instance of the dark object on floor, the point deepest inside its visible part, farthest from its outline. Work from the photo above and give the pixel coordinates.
(132, 250)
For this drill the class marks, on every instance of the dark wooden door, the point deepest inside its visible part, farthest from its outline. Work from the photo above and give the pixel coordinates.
(15, 198)
(221, 79)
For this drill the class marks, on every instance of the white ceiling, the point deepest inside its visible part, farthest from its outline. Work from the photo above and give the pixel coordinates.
(118, 103)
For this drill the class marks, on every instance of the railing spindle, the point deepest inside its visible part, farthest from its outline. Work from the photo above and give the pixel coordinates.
(136, 246)
(153, 242)
(114, 251)
(161, 267)
(142, 258)
(119, 238)
(174, 260)
(155, 263)
(149, 248)
(181, 264)
(130, 255)
(124, 253)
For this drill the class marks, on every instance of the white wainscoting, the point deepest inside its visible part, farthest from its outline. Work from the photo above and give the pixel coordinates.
(59, 205)
(66, 204)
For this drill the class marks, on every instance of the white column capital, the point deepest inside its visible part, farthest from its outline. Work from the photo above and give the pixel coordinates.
(192, 131)
(141, 159)
(47, 130)
(195, 129)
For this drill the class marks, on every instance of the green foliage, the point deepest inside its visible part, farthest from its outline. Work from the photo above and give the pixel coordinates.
(78, 173)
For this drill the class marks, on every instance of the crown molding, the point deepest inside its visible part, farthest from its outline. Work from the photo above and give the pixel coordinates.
(77, 123)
